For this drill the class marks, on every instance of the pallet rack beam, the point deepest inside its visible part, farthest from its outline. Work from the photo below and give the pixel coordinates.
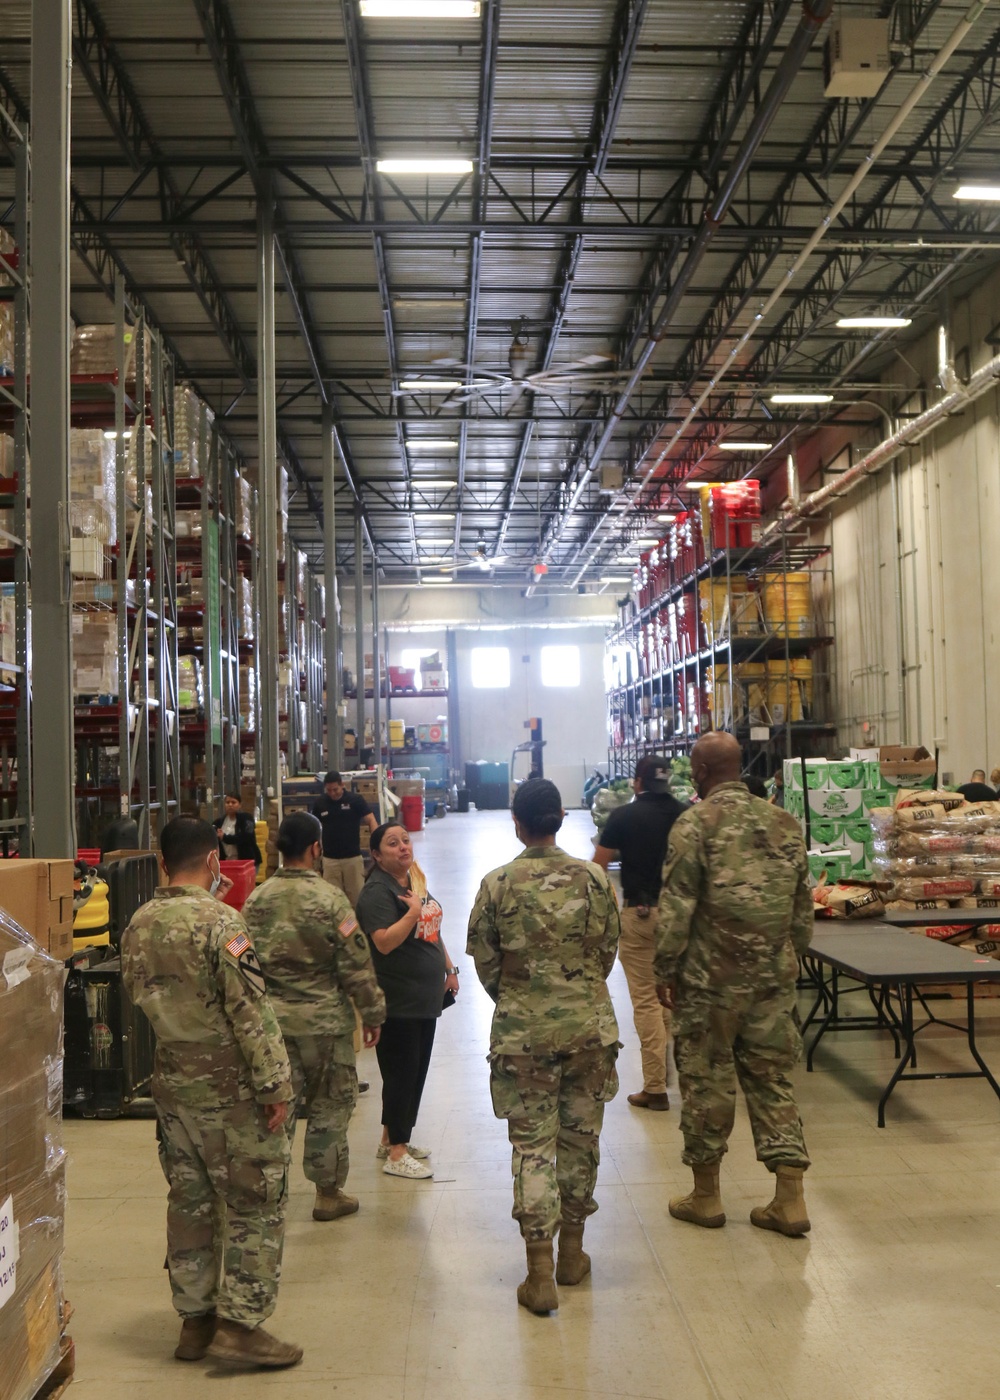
(332, 639)
(269, 772)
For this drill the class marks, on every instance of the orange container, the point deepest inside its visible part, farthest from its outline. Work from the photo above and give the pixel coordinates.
(243, 874)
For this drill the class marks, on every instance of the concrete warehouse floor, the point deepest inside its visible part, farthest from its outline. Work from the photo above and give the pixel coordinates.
(896, 1293)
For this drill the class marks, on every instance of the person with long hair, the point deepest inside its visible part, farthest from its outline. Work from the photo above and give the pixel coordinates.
(544, 932)
(402, 921)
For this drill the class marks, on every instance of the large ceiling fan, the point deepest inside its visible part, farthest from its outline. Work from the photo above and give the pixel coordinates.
(473, 381)
(481, 559)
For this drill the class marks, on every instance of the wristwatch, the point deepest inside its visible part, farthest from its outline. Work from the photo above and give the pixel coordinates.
(451, 972)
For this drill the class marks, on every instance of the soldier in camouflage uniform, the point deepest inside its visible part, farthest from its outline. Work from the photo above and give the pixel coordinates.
(222, 1087)
(543, 933)
(735, 910)
(315, 960)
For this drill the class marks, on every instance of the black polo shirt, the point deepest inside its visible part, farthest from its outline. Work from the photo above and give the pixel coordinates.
(341, 821)
(639, 833)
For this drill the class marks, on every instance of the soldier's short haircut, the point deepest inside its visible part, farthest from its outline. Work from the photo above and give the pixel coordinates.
(297, 833)
(538, 808)
(332, 777)
(186, 841)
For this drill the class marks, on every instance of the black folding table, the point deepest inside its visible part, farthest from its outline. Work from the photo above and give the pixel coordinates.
(886, 962)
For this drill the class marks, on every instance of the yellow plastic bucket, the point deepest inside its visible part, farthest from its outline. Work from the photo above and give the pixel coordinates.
(260, 832)
(91, 920)
(787, 603)
(802, 687)
(727, 608)
(790, 689)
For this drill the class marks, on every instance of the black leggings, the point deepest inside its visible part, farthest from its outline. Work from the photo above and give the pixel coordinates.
(404, 1053)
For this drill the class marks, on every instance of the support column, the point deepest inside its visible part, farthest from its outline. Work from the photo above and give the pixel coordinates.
(376, 668)
(359, 628)
(331, 637)
(267, 519)
(51, 588)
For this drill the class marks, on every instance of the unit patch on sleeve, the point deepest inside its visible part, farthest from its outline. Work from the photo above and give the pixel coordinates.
(348, 926)
(242, 952)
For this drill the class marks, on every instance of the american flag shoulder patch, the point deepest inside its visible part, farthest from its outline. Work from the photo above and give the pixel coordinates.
(348, 926)
(238, 945)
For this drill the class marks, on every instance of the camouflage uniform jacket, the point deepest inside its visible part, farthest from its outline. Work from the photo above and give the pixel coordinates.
(544, 933)
(314, 956)
(188, 963)
(735, 907)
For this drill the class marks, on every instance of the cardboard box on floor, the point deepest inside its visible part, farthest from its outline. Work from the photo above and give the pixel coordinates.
(32, 1189)
(38, 895)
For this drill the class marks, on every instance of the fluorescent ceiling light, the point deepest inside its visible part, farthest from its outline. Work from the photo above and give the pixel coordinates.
(873, 323)
(430, 386)
(433, 482)
(985, 194)
(668, 519)
(432, 444)
(648, 541)
(802, 398)
(421, 9)
(456, 303)
(616, 580)
(433, 515)
(425, 165)
(110, 433)
(744, 447)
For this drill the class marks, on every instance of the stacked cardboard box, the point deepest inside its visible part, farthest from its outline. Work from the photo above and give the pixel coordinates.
(38, 895)
(32, 1166)
(187, 431)
(95, 654)
(841, 795)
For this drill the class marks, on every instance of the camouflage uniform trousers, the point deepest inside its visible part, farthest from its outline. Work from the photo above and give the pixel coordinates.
(228, 1179)
(554, 1106)
(747, 1036)
(325, 1082)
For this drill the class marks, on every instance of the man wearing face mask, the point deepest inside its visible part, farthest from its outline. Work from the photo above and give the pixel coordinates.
(222, 1089)
(735, 911)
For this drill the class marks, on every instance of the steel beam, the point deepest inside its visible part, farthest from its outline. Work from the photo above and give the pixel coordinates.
(359, 630)
(332, 643)
(267, 524)
(51, 589)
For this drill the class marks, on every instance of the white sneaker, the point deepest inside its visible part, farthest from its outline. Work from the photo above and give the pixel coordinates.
(409, 1167)
(421, 1153)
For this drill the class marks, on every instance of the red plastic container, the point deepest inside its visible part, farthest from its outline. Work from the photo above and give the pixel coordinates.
(402, 678)
(243, 874)
(90, 855)
(413, 812)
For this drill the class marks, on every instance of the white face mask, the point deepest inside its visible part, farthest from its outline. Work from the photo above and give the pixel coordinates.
(216, 879)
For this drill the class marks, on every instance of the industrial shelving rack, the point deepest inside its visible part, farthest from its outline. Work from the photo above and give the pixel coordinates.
(650, 711)
(15, 697)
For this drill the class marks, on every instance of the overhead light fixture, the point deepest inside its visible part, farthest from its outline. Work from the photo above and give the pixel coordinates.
(432, 444)
(456, 303)
(110, 434)
(430, 386)
(433, 482)
(421, 9)
(802, 398)
(667, 519)
(744, 446)
(648, 541)
(873, 323)
(425, 165)
(616, 580)
(983, 194)
(429, 515)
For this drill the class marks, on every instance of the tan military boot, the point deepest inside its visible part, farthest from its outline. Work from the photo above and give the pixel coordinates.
(572, 1265)
(236, 1345)
(538, 1291)
(704, 1205)
(196, 1333)
(331, 1205)
(787, 1212)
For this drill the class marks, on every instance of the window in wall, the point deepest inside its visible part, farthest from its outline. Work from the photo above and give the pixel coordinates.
(490, 668)
(411, 657)
(560, 666)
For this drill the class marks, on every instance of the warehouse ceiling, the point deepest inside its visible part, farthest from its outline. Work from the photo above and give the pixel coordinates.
(555, 280)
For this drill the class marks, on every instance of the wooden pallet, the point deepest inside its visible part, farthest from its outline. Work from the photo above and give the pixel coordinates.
(60, 1378)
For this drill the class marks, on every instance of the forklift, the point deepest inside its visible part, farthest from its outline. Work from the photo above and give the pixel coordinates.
(532, 747)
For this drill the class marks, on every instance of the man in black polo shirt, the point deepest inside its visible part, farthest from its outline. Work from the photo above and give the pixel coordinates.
(341, 814)
(639, 833)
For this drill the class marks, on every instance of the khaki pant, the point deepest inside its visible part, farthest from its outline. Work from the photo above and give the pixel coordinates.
(347, 875)
(652, 1021)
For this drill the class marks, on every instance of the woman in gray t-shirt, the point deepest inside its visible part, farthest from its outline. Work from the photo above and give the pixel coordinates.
(403, 924)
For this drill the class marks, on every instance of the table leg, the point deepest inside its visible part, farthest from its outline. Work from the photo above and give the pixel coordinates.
(816, 980)
(905, 994)
(833, 992)
(971, 1018)
(887, 1017)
